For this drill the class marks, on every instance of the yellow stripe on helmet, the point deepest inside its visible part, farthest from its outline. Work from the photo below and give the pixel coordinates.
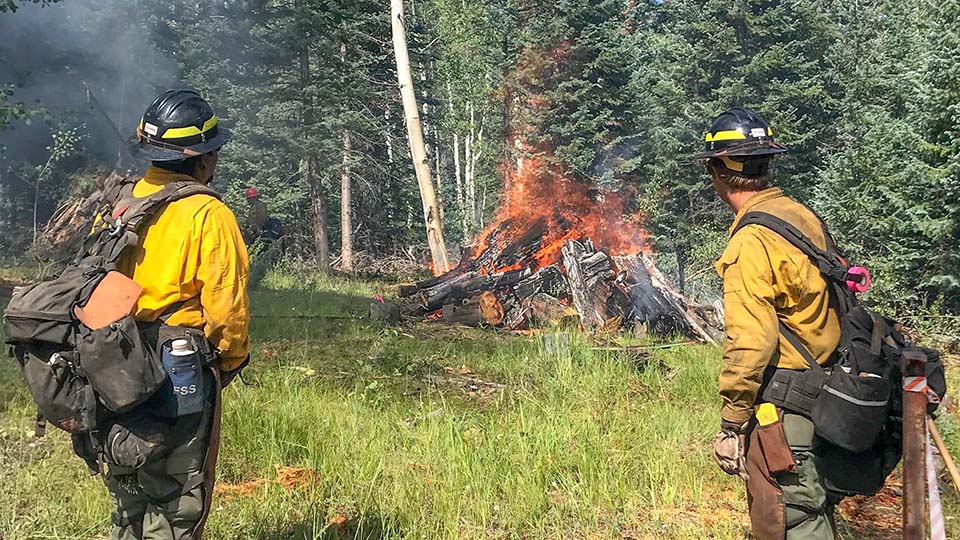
(732, 164)
(728, 135)
(189, 131)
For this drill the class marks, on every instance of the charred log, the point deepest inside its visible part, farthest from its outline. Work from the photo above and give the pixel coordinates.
(657, 304)
(432, 298)
(515, 316)
(545, 310)
(601, 303)
(548, 280)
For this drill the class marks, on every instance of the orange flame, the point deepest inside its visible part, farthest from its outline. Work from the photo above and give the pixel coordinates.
(543, 209)
(544, 206)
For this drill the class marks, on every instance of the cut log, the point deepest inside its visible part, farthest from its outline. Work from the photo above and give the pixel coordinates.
(481, 309)
(433, 297)
(515, 316)
(601, 303)
(545, 310)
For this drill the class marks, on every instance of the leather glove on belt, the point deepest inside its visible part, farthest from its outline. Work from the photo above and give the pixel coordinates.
(226, 377)
(729, 449)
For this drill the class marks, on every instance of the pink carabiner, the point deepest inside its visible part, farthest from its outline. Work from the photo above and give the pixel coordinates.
(860, 285)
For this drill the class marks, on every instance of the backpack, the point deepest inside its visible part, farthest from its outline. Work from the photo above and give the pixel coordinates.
(78, 376)
(856, 402)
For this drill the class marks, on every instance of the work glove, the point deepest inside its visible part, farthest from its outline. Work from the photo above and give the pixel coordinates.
(226, 377)
(730, 449)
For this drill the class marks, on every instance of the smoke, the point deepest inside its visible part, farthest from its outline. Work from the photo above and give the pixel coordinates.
(50, 52)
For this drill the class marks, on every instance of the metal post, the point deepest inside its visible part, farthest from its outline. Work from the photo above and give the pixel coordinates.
(914, 439)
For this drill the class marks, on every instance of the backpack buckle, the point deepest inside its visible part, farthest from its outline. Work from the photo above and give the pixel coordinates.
(117, 229)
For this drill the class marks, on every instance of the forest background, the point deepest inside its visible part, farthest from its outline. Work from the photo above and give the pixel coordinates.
(866, 94)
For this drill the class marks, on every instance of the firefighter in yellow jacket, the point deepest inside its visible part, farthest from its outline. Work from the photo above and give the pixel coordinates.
(192, 264)
(767, 282)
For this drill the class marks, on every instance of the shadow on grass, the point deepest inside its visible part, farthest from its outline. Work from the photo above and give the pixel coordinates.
(305, 315)
(357, 528)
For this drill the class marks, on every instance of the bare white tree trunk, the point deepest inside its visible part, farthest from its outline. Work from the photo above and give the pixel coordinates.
(478, 151)
(472, 152)
(431, 212)
(438, 149)
(461, 201)
(346, 214)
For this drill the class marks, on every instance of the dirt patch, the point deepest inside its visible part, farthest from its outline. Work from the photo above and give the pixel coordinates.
(877, 517)
(290, 478)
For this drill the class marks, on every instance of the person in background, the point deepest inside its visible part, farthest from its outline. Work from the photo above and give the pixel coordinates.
(257, 216)
(262, 235)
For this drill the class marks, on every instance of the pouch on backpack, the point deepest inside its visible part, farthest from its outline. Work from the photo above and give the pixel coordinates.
(43, 312)
(120, 367)
(134, 440)
(852, 409)
(62, 396)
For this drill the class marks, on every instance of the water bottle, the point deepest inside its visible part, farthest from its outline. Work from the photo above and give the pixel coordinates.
(184, 366)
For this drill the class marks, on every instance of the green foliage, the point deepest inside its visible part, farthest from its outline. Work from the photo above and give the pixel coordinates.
(11, 111)
(11, 5)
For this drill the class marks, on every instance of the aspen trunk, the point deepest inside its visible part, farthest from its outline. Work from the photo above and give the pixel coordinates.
(431, 211)
(321, 241)
(346, 194)
(461, 201)
(346, 215)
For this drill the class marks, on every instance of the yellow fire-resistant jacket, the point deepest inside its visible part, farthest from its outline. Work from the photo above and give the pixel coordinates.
(766, 278)
(192, 251)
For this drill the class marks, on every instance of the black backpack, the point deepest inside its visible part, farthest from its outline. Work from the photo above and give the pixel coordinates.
(78, 376)
(856, 403)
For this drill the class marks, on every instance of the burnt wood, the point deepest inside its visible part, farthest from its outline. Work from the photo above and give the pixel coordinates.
(548, 280)
(599, 301)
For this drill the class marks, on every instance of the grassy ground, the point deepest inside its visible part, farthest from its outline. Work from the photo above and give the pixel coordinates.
(425, 431)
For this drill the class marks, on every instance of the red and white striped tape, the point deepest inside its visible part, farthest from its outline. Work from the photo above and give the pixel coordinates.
(938, 529)
(915, 384)
(919, 385)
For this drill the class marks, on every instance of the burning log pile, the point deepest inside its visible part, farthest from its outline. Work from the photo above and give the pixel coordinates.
(586, 287)
(559, 251)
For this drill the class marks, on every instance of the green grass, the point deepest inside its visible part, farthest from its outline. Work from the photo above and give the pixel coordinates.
(424, 432)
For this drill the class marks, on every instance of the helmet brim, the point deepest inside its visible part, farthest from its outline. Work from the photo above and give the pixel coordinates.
(148, 152)
(770, 150)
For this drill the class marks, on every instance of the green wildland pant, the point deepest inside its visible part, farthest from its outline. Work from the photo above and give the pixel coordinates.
(787, 504)
(163, 500)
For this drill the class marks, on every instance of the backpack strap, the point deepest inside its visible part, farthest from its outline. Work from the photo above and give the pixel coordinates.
(122, 219)
(794, 340)
(828, 264)
(827, 261)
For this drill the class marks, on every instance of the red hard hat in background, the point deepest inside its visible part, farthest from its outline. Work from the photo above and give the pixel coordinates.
(252, 192)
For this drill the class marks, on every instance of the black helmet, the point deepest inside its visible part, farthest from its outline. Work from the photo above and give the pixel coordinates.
(177, 125)
(739, 132)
